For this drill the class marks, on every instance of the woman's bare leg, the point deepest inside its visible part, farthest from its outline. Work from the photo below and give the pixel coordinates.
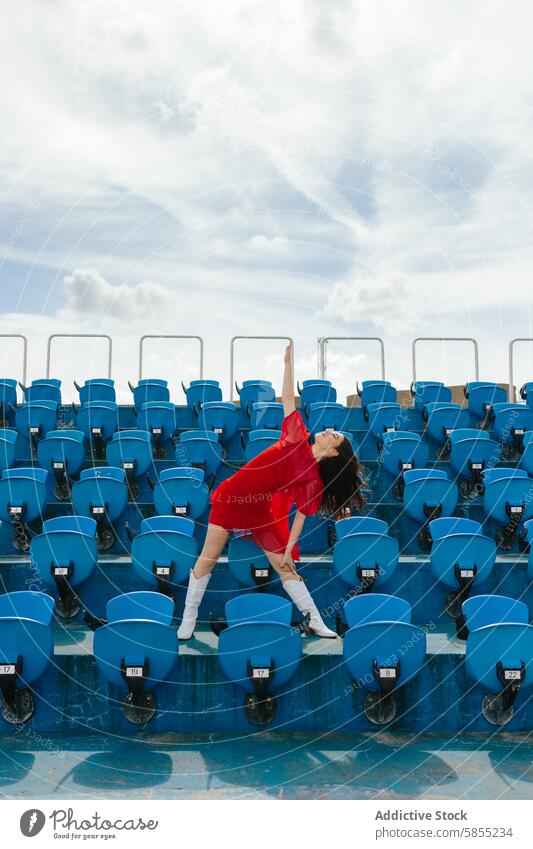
(215, 541)
(285, 572)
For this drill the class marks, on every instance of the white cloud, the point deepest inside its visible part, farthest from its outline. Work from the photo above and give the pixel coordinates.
(90, 296)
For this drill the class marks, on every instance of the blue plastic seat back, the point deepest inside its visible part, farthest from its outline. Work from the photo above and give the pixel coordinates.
(62, 446)
(63, 548)
(258, 607)
(441, 418)
(360, 524)
(493, 475)
(181, 491)
(448, 525)
(43, 390)
(98, 415)
(201, 392)
(253, 391)
(401, 448)
(23, 488)
(8, 435)
(31, 641)
(266, 415)
(76, 524)
(262, 643)
(355, 553)
(427, 391)
(377, 392)
(314, 391)
(510, 418)
(472, 448)
(97, 389)
(481, 394)
(176, 524)
(462, 551)
(324, 415)
(32, 472)
(132, 642)
(8, 394)
(221, 417)
(8, 439)
(508, 493)
(481, 610)
(128, 448)
(159, 418)
(376, 607)
(36, 416)
(247, 561)
(510, 644)
(260, 440)
(155, 607)
(384, 643)
(150, 391)
(27, 604)
(382, 417)
(101, 487)
(426, 492)
(200, 448)
(167, 554)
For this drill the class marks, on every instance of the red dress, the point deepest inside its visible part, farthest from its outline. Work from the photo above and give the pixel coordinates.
(258, 497)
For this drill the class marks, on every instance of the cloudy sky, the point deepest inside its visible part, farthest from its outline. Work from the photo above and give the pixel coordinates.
(312, 168)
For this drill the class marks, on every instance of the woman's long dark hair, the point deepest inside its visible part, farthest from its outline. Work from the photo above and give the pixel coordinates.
(344, 484)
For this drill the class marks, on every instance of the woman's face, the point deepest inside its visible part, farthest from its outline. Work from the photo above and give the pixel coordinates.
(328, 439)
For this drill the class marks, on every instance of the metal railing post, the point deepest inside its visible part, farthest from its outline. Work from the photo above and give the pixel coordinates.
(25, 351)
(169, 336)
(232, 356)
(445, 339)
(80, 336)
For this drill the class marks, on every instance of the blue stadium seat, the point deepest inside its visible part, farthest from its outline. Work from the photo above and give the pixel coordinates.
(326, 414)
(99, 422)
(248, 563)
(201, 391)
(507, 500)
(400, 451)
(26, 649)
(22, 500)
(200, 449)
(34, 421)
(266, 415)
(509, 423)
(8, 401)
(259, 651)
(376, 392)
(46, 389)
(427, 391)
(428, 494)
(131, 450)
(149, 391)
(8, 439)
(181, 492)
(137, 649)
(471, 452)
(315, 391)
(220, 417)
(441, 418)
(382, 418)
(364, 524)
(382, 651)
(526, 460)
(254, 391)
(499, 653)
(61, 453)
(461, 557)
(526, 393)
(481, 395)
(258, 441)
(96, 389)
(365, 558)
(102, 494)
(64, 556)
(164, 552)
(159, 419)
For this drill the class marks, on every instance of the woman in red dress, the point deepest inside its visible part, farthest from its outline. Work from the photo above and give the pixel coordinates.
(258, 499)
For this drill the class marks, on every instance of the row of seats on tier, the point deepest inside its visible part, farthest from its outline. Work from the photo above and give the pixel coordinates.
(260, 651)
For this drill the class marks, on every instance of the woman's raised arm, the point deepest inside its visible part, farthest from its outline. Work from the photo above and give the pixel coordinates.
(287, 394)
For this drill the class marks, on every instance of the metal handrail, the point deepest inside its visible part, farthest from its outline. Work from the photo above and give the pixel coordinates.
(446, 339)
(511, 393)
(232, 355)
(169, 336)
(323, 341)
(80, 336)
(25, 354)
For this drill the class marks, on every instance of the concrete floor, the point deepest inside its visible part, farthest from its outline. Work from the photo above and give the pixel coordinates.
(266, 766)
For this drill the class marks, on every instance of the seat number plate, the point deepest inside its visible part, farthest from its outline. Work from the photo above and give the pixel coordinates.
(467, 573)
(134, 672)
(519, 432)
(162, 570)
(261, 672)
(15, 511)
(157, 431)
(518, 509)
(218, 430)
(261, 573)
(387, 672)
(96, 431)
(512, 675)
(368, 573)
(59, 465)
(179, 511)
(406, 466)
(477, 466)
(60, 570)
(34, 430)
(98, 511)
(7, 669)
(128, 466)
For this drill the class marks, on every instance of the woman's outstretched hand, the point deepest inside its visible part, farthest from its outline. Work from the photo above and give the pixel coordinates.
(287, 565)
(289, 351)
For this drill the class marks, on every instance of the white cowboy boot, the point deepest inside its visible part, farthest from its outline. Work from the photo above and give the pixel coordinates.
(195, 594)
(305, 604)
